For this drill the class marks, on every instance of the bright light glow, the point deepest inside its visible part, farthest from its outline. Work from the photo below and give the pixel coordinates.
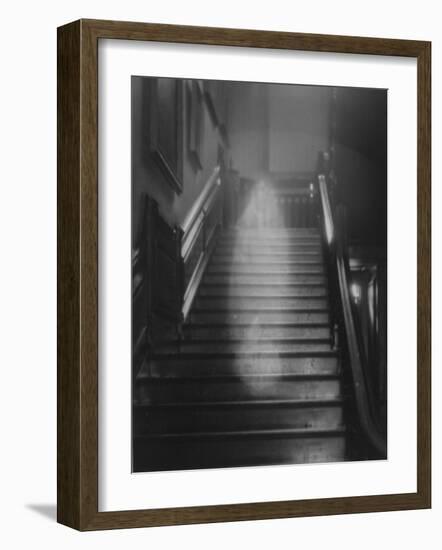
(355, 291)
(328, 220)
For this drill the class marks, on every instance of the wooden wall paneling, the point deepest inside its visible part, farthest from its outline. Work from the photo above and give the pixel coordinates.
(195, 122)
(166, 129)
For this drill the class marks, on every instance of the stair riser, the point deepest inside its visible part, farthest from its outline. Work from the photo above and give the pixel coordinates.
(284, 279)
(214, 452)
(249, 347)
(272, 239)
(259, 318)
(252, 256)
(272, 231)
(273, 268)
(170, 391)
(157, 420)
(268, 249)
(283, 261)
(260, 290)
(211, 303)
(255, 332)
(270, 263)
(244, 365)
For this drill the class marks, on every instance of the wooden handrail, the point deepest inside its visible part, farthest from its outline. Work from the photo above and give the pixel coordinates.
(326, 209)
(198, 237)
(199, 204)
(360, 388)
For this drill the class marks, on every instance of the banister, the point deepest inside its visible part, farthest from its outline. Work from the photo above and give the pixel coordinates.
(198, 237)
(360, 386)
(326, 208)
(199, 204)
(334, 242)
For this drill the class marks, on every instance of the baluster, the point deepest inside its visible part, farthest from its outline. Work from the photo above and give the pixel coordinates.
(290, 216)
(281, 210)
(275, 214)
(286, 210)
(304, 212)
(267, 210)
(335, 337)
(297, 212)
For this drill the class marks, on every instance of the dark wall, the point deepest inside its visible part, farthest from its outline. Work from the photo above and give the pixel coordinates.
(359, 134)
(177, 143)
(277, 128)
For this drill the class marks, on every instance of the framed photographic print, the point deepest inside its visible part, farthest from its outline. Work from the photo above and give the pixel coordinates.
(243, 275)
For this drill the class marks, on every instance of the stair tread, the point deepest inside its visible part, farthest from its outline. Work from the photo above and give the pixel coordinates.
(267, 296)
(265, 324)
(234, 251)
(249, 403)
(321, 284)
(223, 303)
(251, 261)
(243, 236)
(262, 310)
(271, 249)
(272, 231)
(268, 318)
(259, 244)
(268, 273)
(238, 377)
(248, 354)
(287, 432)
(248, 269)
(264, 339)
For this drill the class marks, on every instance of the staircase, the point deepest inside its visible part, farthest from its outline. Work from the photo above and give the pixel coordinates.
(255, 379)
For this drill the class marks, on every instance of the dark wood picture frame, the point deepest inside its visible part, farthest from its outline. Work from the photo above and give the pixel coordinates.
(78, 274)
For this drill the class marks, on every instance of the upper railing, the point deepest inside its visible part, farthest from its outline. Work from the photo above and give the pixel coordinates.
(273, 202)
(343, 318)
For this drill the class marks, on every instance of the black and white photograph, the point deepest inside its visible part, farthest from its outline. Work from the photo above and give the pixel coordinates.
(259, 274)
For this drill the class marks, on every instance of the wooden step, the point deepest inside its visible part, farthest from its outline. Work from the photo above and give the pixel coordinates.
(269, 268)
(237, 331)
(229, 449)
(242, 363)
(272, 231)
(153, 390)
(259, 317)
(252, 290)
(268, 248)
(252, 261)
(263, 278)
(261, 303)
(248, 255)
(269, 237)
(250, 415)
(262, 345)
